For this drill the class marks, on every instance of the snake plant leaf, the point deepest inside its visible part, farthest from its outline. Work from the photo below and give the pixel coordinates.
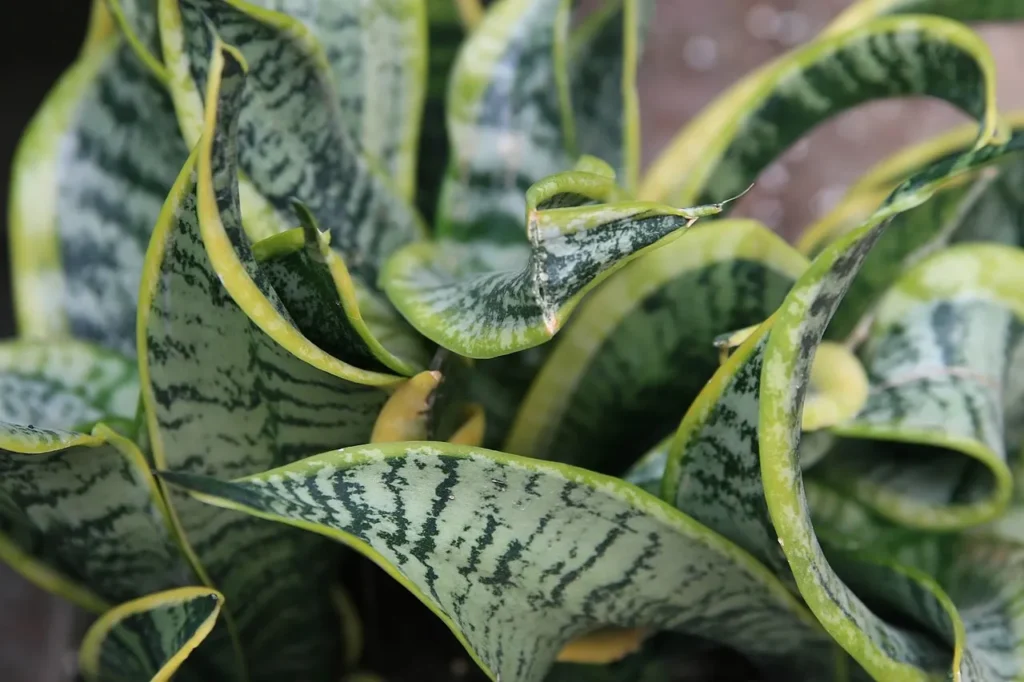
(78, 244)
(80, 513)
(208, 318)
(446, 33)
(483, 299)
(506, 131)
(294, 144)
(968, 589)
(137, 20)
(377, 54)
(945, 358)
(328, 307)
(785, 352)
(602, 61)
(612, 388)
(742, 132)
(519, 556)
(149, 638)
(985, 10)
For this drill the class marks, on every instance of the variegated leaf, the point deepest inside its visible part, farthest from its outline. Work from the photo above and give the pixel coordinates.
(231, 387)
(137, 20)
(377, 52)
(483, 299)
(507, 131)
(737, 136)
(149, 638)
(786, 351)
(935, 444)
(639, 350)
(602, 61)
(519, 556)
(324, 301)
(83, 201)
(294, 141)
(80, 513)
(982, 10)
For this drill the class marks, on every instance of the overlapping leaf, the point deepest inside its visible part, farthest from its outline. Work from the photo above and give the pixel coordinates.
(232, 387)
(785, 351)
(149, 638)
(508, 132)
(83, 202)
(79, 511)
(640, 349)
(938, 438)
(519, 556)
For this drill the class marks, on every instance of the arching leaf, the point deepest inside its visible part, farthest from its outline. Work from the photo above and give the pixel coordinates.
(83, 202)
(939, 435)
(149, 638)
(736, 137)
(80, 513)
(519, 556)
(639, 350)
(786, 352)
(232, 387)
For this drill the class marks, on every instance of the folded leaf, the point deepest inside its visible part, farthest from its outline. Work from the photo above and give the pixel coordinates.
(506, 131)
(940, 433)
(722, 151)
(639, 350)
(232, 387)
(786, 352)
(80, 513)
(519, 556)
(322, 298)
(483, 299)
(149, 638)
(78, 243)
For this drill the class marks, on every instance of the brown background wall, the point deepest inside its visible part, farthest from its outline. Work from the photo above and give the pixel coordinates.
(697, 48)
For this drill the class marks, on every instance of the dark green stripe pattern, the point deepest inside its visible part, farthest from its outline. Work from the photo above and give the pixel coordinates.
(81, 504)
(149, 636)
(483, 299)
(293, 143)
(226, 399)
(519, 556)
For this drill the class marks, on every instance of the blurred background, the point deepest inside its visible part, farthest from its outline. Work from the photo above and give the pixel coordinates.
(696, 49)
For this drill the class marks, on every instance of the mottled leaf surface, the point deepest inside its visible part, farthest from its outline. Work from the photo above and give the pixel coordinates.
(519, 556)
(640, 349)
(483, 299)
(84, 201)
(941, 431)
(79, 511)
(508, 118)
(786, 359)
(149, 638)
(232, 388)
(293, 138)
(377, 53)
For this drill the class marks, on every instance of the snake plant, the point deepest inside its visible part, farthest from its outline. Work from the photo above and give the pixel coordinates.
(297, 281)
